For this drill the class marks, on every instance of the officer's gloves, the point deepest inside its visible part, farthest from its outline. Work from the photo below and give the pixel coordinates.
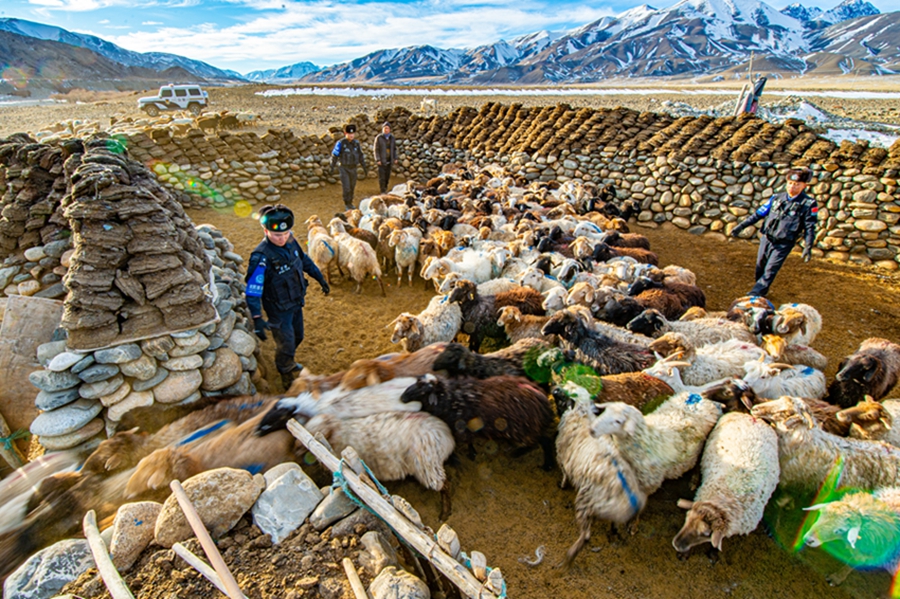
(326, 289)
(807, 254)
(737, 230)
(260, 327)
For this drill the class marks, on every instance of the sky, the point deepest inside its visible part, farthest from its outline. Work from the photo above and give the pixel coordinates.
(247, 35)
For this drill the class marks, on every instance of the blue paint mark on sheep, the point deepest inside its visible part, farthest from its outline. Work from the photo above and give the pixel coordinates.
(250, 406)
(330, 249)
(807, 370)
(254, 468)
(202, 433)
(692, 399)
(632, 498)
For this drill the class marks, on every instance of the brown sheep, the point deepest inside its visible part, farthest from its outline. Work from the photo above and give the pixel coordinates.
(521, 326)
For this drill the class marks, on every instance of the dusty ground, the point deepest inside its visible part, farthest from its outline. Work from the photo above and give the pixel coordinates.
(507, 507)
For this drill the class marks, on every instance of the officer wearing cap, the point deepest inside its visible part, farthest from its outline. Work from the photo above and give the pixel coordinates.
(275, 283)
(385, 153)
(789, 216)
(348, 154)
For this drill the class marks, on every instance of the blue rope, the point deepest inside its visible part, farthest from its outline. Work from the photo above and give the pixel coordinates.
(8, 441)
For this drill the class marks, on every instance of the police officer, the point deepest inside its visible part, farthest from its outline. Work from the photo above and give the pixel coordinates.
(385, 149)
(789, 216)
(348, 153)
(275, 282)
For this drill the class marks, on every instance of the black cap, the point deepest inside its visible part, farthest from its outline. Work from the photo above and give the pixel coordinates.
(278, 218)
(801, 175)
(385, 124)
(349, 128)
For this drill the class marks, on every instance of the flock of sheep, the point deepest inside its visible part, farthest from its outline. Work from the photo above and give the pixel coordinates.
(553, 270)
(608, 363)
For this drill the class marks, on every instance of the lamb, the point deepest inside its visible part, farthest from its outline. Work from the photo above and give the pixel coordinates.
(663, 444)
(439, 321)
(321, 247)
(800, 355)
(698, 332)
(808, 455)
(406, 249)
(872, 370)
(521, 326)
(607, 485)
(710, 362)
(739, 470)
(799, 324)
(867, 521)
(602, 353)
(771, 381)
(506, 408)
(357, 256)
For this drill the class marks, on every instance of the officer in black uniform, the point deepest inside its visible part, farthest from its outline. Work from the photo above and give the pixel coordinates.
(789, 216)
(275, 282)
(348, 154)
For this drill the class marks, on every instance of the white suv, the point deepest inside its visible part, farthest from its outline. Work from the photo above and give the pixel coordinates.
(175, 97)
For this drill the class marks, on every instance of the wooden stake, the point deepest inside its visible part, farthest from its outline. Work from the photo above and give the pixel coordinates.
(200, 566)
(424, 544)
(355, 583)
(212, 553)
(111, 578)
(12, 456)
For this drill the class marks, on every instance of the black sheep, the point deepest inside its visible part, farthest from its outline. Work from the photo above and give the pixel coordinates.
(500, 408)
(479, 315)
(456, 360)
(872, 370)
(602, 353)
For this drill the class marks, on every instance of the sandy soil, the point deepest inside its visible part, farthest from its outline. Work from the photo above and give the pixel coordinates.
(507, 507)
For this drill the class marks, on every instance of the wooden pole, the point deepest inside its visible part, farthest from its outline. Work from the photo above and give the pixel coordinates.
(355, 583)
(12, 456)
(200, 566)
(424, 544)
(215, 558)
(111, 578)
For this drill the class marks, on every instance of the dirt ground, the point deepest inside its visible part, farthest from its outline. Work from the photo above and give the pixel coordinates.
(506, 507)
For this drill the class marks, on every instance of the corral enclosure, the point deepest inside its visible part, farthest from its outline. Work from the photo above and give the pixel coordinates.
(855, 304)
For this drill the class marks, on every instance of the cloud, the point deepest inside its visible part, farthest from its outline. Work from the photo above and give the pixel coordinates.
(151, 23)
(103, 22)
(89, 5)
(327, 32)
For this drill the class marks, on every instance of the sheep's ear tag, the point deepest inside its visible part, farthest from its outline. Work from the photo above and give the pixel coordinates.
(693, 398)
(853, 536)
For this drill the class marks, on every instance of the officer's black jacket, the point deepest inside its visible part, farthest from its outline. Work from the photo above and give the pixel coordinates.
(787, 219)
(284, 287)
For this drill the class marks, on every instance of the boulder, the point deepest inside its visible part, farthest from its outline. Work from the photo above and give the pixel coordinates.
(118, 354)
(177, 386)
(285, 504)
(64, 361)
(66, 419)
(221, 497)
(98, 372)
(242, 343)
(46, 572)
(132, 531)
(335, 506)
(101, 388)
(73, 439)
(51, 382)
(183, 363)
(224, 371)
(394, 583)
(135, 399)
(378, 554)
(50, 401)
(142, 369)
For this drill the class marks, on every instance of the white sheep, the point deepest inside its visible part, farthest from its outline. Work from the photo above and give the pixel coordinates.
(739, 472)
(663, 444)
(406, 250)
(439, 321)
(554, 300)
(321, 247)
(869, 522)
(668, 371)
(472, 266)
(699, 332)
(808, 455)
(709, 362)
(538, 280)
(799, 324)
(772, 380)
(607, 486)
(356, 256)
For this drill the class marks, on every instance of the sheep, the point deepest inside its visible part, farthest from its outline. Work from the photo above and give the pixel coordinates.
(235, 447)
(667, 370)
(739, 472)
(610, 330)
(603, 252)
(479, 313)
(394, 445)
(807, 454)
(554, 299)
(321, 247)
(491, 287)
(509, 408)
(521, 326)
(872, 370)
(867, 521)
(699, 332)
(709, 362)
(607, 485)
(799, 324)
(633, 388)
(869, 420)
(800, 355)
(456, 360)
(771, 381)
(439, 321)
(473, 267)
(603, 353)
(664, 444)
(538, 280)
(357, 256)
(406, 249)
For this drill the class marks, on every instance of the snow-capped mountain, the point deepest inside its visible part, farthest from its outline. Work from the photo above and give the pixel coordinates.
(157, 61)
(863, 46)
(815, 18)
(284, 74)
(413, 63)
(802, 13)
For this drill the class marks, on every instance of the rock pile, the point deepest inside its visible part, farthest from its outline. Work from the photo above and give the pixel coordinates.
(287, 510)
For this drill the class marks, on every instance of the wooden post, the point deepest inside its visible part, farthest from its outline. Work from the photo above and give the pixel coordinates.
(215, 558)
(111, 578)
(424, 544)
(200, 566)
(12, 456)
(355, 583)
